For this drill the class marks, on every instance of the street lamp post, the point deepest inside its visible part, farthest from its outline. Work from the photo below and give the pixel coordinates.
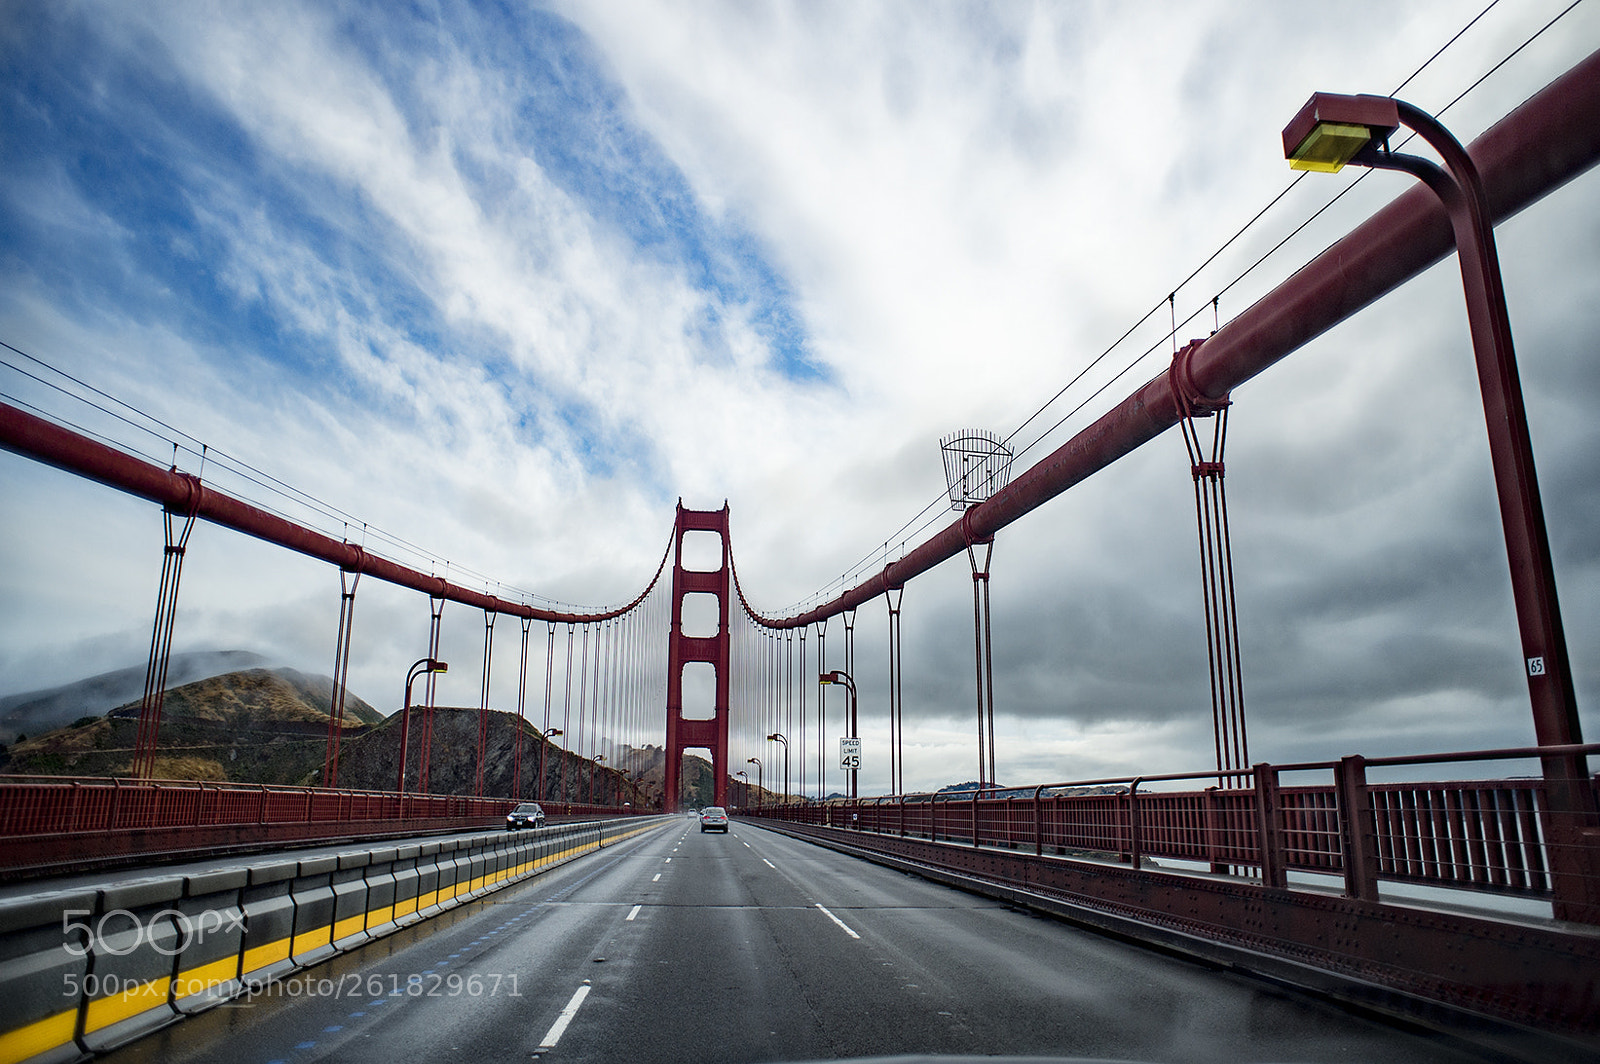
(426, 665)
(778, 737)
(840, 676)
(551, 734)
(761, 788)
(1329, 132)
(746, 776)
(594, 766)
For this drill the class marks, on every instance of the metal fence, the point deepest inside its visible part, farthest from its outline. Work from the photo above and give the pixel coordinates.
(1478, 835)
(50, 823)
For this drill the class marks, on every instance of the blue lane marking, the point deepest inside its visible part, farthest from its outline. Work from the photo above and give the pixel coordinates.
(306, 1045)
(331, 1030)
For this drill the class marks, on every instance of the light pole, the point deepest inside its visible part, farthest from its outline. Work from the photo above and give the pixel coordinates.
(594, 766)
(778, 737)
(1331, 131)
(422, 666)
(551, 734)
(840, 676)
(746, 776)
(761, 788)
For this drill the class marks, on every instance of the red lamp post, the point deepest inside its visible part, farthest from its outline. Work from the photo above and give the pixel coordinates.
(779, 737)
(840, 676)
(426, 665)
(1329, 132)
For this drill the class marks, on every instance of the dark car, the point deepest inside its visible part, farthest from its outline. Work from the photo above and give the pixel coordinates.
(526, 815)
(714, 818)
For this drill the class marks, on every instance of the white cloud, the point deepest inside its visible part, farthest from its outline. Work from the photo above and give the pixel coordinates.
(967, 205)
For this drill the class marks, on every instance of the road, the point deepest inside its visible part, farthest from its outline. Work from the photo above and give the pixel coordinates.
(752, 946)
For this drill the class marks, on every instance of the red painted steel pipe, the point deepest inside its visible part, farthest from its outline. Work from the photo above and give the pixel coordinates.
(182, 493)
(1537, 148)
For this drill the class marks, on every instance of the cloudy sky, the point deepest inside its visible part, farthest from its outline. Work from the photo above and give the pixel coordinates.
(498, 284)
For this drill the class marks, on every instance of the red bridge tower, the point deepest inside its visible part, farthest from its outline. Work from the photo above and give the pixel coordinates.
(697, 731)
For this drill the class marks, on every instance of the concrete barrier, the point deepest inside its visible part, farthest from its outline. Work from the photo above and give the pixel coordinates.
(407, 885)
(212, 922)
(128, 988)
(43, 962)
(269, 922)
(313, 911)
(84, 971)
(350, 900)
(380, 876)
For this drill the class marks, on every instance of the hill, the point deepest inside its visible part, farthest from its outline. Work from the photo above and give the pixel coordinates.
(369, 761)
(252, 726)
(34, 712)
(258, 725)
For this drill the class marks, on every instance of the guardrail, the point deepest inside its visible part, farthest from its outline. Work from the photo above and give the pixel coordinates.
(51, 824)
(1285, 880)
(1475, 835)
(86, 970)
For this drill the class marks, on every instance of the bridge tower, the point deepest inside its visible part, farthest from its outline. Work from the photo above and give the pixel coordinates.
(698, 731)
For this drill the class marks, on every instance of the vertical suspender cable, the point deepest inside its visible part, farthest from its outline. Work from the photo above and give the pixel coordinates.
(522, 712)
(549, 688)
(822, 711)
(436, 611)
(341, 674)
(800, 784)
(483, 700)
(566, 720)
(1216, 568)
(155, 677)
(892, 598)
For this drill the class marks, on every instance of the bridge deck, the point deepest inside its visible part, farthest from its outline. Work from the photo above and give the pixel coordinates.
(754, 946)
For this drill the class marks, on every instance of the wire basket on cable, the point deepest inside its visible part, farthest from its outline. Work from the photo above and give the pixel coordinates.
(976, 466)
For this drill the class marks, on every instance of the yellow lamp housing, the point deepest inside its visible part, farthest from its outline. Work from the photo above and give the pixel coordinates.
(1331, 129)
(1329, 146)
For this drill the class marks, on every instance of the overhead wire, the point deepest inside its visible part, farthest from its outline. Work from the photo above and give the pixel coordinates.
(398, 548)
(907, 532)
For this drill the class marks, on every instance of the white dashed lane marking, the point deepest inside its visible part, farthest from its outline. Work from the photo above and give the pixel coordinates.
(559, 1028)
(835, 919)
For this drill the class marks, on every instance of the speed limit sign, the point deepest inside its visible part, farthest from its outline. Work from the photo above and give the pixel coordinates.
(849, 754)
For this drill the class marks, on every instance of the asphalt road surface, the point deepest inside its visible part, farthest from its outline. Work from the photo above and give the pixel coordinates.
(679, 946)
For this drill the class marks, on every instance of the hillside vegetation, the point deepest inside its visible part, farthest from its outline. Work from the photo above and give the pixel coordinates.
(252, 726)
(271, 726)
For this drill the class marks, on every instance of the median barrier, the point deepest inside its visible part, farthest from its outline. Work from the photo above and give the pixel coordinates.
(407, 882)
(43, 963)
(84, 971)
(128, 989)
(268, 922)
(476, 870)
(212, 923)
(427, 903)
(313, 911)
(350, 900)
(448, 870)
(380, 876)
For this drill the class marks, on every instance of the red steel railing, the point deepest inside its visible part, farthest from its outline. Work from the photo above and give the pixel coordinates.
(51, 823)
(1476, 835)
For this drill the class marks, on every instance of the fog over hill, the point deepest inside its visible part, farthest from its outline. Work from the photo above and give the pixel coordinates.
(248, 726)
(33, 712)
